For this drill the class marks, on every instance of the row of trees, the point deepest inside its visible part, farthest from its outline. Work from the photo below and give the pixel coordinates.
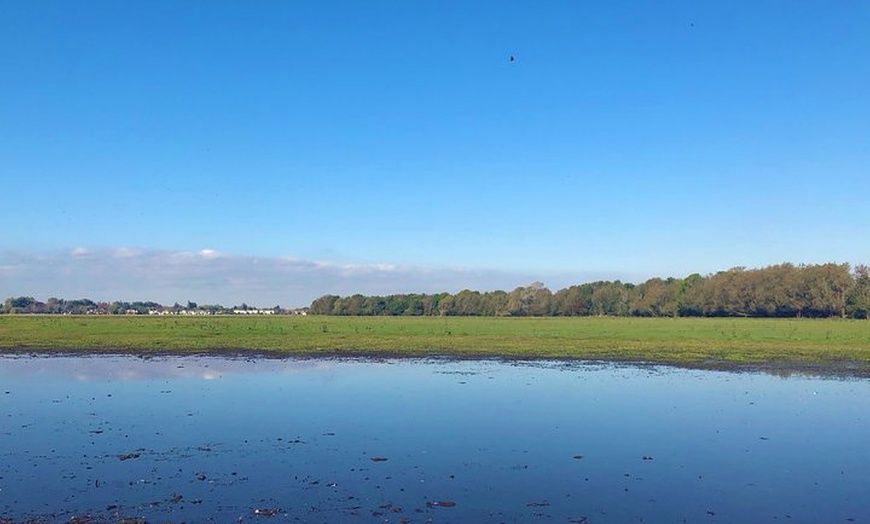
(52, 305)
(59, 306)
(785, 290)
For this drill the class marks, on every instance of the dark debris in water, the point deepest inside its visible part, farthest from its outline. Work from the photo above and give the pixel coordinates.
(440, 504)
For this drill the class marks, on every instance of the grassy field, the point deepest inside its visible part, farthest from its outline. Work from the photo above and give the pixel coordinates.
(691, 341)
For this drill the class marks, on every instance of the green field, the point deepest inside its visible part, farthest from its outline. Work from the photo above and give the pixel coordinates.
(690, 341)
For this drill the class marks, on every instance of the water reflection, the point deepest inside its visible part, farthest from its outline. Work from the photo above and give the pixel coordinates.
(209, 439)
(115, 368)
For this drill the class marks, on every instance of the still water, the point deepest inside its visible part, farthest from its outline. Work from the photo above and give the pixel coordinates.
(231, 440)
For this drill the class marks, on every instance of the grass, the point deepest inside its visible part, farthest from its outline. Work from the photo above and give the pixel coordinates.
(685, 341)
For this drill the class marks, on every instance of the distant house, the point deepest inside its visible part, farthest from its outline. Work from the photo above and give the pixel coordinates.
(253, 311)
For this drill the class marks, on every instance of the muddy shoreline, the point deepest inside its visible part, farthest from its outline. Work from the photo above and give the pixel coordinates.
(844, 369)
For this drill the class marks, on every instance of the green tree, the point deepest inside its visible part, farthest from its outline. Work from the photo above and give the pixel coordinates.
(446, 306)
(822, 290)
(694, 296)
(532, 300)
(323, 305)
(573, 301)
(859, 297)
(657, 298)
(610, 298)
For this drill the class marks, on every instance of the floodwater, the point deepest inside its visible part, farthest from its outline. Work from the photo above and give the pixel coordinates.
(231, 440)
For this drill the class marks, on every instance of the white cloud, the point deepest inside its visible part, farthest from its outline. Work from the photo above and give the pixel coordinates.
(207, 276)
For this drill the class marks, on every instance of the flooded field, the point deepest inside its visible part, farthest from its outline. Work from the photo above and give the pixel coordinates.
(104, 439)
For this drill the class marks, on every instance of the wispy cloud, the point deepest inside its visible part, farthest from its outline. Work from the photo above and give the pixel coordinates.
(208, 276)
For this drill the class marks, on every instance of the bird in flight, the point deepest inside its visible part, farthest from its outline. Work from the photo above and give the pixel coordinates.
(511, 59)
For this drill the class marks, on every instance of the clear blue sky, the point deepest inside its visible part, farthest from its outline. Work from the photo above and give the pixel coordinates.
(625, 140)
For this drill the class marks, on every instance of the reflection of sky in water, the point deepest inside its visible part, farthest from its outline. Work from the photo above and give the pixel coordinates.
(112, 368)
(499, 439)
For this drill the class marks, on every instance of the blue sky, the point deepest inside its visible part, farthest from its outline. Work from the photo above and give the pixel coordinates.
(395, 141)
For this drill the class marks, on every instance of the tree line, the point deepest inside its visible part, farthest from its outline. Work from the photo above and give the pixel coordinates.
(783, 290)
(84, 306)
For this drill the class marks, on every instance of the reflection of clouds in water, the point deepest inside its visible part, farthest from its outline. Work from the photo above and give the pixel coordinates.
(130, 368)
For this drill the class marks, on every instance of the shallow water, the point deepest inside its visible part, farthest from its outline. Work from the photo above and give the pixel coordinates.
(218, 440)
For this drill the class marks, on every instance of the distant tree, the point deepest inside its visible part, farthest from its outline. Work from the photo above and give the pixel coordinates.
(395, 305)
(212, 309)
(532, 300)
(694, 296)
(143, 308)
(496, 303)
(323, 305)
(573, 301)
(656, 298)
(53, 305)
(859, 297)
(84, 306)
(610, 298)
(823, 289)
(774, 291)
(415, 306)
(468, 303)
(358, 305)
(446, 306)
(430, 304)
(118, 308)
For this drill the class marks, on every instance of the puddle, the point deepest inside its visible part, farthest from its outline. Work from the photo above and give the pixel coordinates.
(175, 439)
